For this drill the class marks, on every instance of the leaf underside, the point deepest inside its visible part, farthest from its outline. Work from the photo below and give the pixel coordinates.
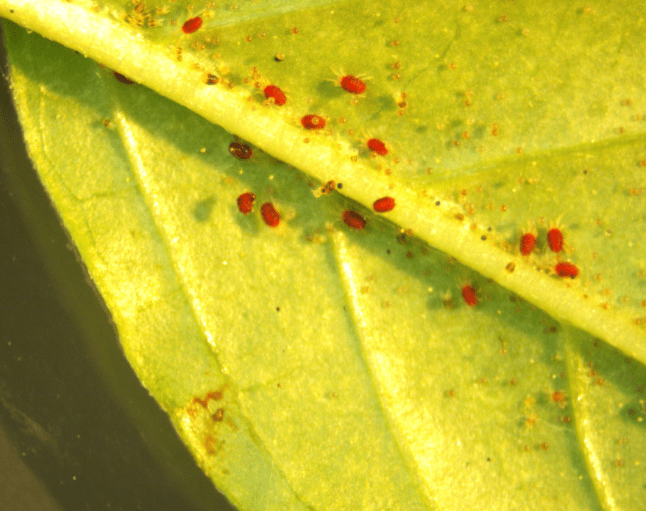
(311, 366)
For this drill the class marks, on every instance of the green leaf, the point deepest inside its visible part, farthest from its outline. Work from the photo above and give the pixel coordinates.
(314, 366)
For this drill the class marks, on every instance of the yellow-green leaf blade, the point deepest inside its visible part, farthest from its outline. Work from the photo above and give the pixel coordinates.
(549, 90)
(191, 211)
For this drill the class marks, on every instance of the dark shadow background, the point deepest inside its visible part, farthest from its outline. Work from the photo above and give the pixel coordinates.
(77, 430)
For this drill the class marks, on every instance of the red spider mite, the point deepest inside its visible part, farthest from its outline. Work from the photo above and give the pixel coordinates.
(354, 220)
(269, 214)
(555, 239)
(469, 295)
(527, 243)
(271, 91)
(122, 78)
(566, 270)
(192, 25)
(245, 202)
(353, 84)
(384, 204)
(377, 146)
(313, 122)
(240, 151)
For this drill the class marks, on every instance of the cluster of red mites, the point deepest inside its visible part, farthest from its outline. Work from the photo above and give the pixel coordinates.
(268, 212)
(354, 220)
(554, 240)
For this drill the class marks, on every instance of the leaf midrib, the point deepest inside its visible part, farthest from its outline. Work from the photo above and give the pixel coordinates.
(320, 159)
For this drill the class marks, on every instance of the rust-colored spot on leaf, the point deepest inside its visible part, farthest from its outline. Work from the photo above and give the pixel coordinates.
(213, 395)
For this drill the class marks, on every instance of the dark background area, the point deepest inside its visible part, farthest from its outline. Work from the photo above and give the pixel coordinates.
(77, 430)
